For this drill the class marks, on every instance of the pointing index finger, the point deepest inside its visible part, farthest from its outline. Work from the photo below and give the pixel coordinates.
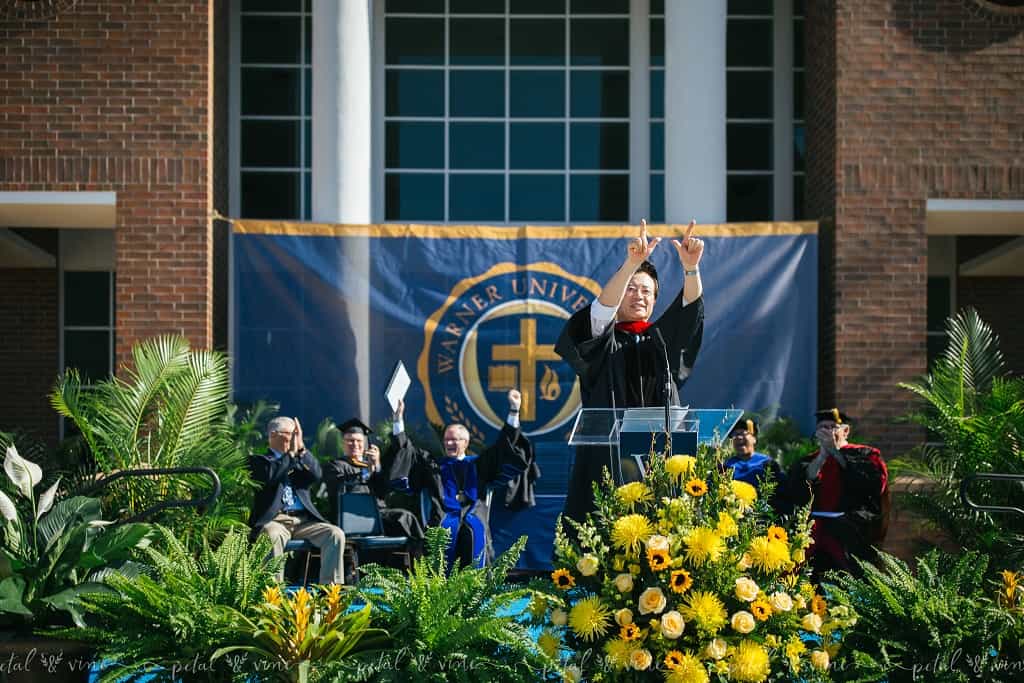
(643, 231)
(689, 230)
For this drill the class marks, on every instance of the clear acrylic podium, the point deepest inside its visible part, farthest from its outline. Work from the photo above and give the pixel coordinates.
(623, 435)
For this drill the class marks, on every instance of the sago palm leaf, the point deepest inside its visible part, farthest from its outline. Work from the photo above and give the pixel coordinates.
(195, 399)
(68, 400)
(974, 348)
(157, 361)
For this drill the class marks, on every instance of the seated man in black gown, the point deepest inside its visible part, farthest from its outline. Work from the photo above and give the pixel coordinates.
(360, 471)
(622, 365)
(457, 482)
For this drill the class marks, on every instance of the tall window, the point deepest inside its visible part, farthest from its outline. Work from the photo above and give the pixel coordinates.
(657, 111)
(275, 86)
(507, 111)
(799, 129)
(87, 323)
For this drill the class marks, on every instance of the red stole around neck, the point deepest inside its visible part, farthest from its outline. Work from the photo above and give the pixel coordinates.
(633, 327)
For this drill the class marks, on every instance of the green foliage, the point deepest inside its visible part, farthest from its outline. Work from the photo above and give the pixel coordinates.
(977, 416)
(248, 427)
(54, 553)
(448, 625)
(781, 439)
(168, 410)
(181, 614)
(938, 624)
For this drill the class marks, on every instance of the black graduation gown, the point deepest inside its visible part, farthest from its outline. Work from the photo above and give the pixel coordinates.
(619, 370)
(509, 464)
(396, 521)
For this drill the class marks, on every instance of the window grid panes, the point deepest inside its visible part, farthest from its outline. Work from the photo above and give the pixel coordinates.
(657, 108)
(749, 111)
(507, 111)
(799, 129)
(276, 80)
(87, 325)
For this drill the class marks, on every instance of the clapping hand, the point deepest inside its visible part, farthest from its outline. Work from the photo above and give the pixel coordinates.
(690, 249)
(515, 400)
(297, 443)
(639, 248)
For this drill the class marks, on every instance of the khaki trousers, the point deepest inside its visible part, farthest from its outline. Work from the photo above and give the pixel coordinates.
(327, 537)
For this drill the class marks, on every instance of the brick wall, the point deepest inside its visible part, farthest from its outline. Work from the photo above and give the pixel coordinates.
(115, 95)
(28, 351)
(927, 104)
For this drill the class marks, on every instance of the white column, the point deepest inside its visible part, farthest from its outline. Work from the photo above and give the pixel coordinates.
(342, 153)
(639, 110)
(695, 111)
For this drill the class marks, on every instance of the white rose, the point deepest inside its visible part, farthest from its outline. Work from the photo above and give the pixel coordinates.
(781, 602)
(652, 600)
(746, 589)
(587, 565)
(745, 562)
(819, 660)
(624, 616)
(624, 583)
(559, 617)
(811, 622)
(716, 649)
(640, 660)
(672, 624)
(658, 543)
(743, 622)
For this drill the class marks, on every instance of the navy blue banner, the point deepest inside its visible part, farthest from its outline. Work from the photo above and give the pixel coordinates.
(474, 311)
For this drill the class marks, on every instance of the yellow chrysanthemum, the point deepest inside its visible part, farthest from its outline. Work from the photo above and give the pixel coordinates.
(679, 466)
(634, 492)
(746, 493)
(761, 609)
(689, 669)
(630, 531)
(706, 611)
(768, 555)
(619, 651)
(749, 663)
(563, 579)
(696, 487)
(589, 617)
(819, 606)
(548, 643)
(658, 560)
(777, 533)
(703, 545)
(680, 581)
(630, 632)
(727, 526)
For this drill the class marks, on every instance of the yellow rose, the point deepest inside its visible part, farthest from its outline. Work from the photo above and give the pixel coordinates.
(745, 562)
(811, 622)
(658, 542)
(634, 569)
(746, 589)
(781, 602)
(640, 660)
(800, 602)
(672, 624)
(743, 622)
(819, 659)
(559, 617)
(716, 649)
(624, 616)
(652, 600)
(623, 583)
(799, 555)
(588, 565)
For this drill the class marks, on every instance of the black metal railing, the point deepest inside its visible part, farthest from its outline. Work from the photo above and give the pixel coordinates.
(195, 501)
(988, 476)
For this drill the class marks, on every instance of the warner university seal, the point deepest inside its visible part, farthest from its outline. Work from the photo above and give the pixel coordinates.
(497, 331)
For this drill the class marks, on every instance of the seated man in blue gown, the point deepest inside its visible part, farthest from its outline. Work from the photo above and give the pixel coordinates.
(457, 482)
(748, 465)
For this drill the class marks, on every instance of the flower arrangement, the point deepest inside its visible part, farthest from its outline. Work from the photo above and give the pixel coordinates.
(682, 577)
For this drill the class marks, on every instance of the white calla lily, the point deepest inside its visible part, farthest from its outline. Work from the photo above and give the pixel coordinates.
(22, 473)
(46, 500)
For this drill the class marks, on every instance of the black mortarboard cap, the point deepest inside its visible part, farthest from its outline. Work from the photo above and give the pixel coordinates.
(746, 423)
(833, 414)
(355, 426)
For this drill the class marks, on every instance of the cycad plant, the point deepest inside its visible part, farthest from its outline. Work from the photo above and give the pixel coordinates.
(167, 626)
(938, 623)
(458, 625)
(168, 409)
(976, 413)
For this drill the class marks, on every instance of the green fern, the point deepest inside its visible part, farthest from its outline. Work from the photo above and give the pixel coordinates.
(449, 625)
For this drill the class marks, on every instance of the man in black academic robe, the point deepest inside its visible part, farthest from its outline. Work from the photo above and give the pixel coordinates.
(360, 471)
(618, 354)
(457, 482)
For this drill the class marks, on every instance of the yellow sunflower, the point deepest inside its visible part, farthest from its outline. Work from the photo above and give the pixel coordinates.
(589, 617)
(563, 579)
(630, 632)
(749, 663)
(706, 611)
(777, 533)
(658, 559)
(768, 555)
(818, 605)
(630, 531)
(680, 581)
(703, 545)
(761, 609)
(688, 670)
(633, 493)
(696, 487)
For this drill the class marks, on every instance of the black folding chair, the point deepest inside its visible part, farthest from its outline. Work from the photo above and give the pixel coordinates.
(359, 518)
